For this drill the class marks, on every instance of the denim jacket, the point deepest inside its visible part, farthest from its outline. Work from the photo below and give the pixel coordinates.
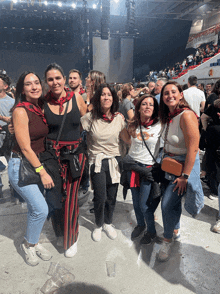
(194, 196)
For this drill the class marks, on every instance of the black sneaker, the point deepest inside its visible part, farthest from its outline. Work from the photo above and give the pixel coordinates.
(137, 232)
(148, 238)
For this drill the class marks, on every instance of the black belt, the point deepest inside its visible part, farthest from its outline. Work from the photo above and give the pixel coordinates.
(15, 155)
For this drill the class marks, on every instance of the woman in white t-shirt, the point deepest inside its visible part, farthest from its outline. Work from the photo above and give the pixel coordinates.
(104, 126)
(146, 122)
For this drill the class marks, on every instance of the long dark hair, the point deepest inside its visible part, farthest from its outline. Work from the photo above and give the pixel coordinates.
(19, 97)
(136, 120)
(53, 66)
(163, 108)
(97, 111)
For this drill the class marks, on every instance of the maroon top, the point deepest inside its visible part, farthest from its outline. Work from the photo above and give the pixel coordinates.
(38, 130)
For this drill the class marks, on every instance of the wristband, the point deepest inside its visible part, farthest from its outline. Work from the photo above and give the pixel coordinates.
(38, 169)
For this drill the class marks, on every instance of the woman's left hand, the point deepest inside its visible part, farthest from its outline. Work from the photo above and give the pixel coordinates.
(181, 184)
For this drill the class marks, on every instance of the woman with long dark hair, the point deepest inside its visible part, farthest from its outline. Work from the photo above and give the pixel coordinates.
(64, 217)
(181, 142)
(145, 124)
(104, 126)
(30, 129)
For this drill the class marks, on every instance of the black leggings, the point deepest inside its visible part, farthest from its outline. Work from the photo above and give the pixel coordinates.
(104, 194)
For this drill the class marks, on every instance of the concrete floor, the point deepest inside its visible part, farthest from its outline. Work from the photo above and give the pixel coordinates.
(193, 267)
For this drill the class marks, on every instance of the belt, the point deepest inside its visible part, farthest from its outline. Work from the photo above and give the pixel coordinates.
(15, 155)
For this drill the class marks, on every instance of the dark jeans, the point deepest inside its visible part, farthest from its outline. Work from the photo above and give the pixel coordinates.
(104, 194)
(144, 208)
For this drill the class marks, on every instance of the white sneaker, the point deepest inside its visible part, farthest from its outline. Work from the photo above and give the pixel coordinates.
(71, 251)
(30, 255)
(97, 234)
(42, 252)
(110, 231)
(164, 252)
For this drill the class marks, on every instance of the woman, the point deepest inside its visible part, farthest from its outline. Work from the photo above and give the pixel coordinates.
(104, 126)
(181, 142)
(65, 218)
(126, 106)
(146, 123)
(30, 129)
(93, 81)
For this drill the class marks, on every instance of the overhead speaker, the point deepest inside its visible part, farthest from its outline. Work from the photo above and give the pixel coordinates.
(105, 21)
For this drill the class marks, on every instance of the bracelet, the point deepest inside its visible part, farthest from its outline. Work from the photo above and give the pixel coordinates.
(39, 168)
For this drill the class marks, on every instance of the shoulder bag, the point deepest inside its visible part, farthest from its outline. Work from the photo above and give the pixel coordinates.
(170, 165)
(157, 173)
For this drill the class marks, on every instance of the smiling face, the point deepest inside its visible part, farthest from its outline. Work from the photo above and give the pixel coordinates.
(32, 88)
(56, 82)
(106, 100)
(172, 96)
(146, 109)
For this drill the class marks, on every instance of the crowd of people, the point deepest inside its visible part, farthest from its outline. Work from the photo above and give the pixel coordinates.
(202, 53)
(61, 130)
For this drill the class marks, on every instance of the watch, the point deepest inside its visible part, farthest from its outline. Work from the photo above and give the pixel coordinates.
(185, 176)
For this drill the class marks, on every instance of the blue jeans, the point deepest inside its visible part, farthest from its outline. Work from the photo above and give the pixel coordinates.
(143, 208)
(36, 204)
(171, 203)
(2, 167)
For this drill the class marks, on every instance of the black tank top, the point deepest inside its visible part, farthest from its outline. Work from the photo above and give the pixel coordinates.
(71, 128)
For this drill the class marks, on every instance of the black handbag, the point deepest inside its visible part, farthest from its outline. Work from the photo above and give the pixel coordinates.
(27, 173)
(72, 158)
(157, 174)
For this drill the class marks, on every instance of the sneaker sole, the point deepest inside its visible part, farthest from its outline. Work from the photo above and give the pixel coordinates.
(110, 236)
(25, 258)
(43, 258)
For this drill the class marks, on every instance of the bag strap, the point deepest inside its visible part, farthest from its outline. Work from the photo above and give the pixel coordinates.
(147, 146)
(165, 138)
(62, 124)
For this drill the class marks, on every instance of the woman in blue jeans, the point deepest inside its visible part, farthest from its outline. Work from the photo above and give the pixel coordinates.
(181, 142)
(30, 129)
(146, 122)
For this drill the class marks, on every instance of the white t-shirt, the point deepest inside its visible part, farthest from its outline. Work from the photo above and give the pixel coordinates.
(103, 136)
(138, 150)
(194, 97)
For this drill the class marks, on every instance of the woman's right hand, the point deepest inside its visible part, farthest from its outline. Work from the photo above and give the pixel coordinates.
(46, 179)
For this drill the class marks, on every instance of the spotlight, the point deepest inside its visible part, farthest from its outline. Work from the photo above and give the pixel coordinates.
(59, 4)
(116, 1)
(14, 1)
(74, 5)
(45, 3)
(94, 6)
